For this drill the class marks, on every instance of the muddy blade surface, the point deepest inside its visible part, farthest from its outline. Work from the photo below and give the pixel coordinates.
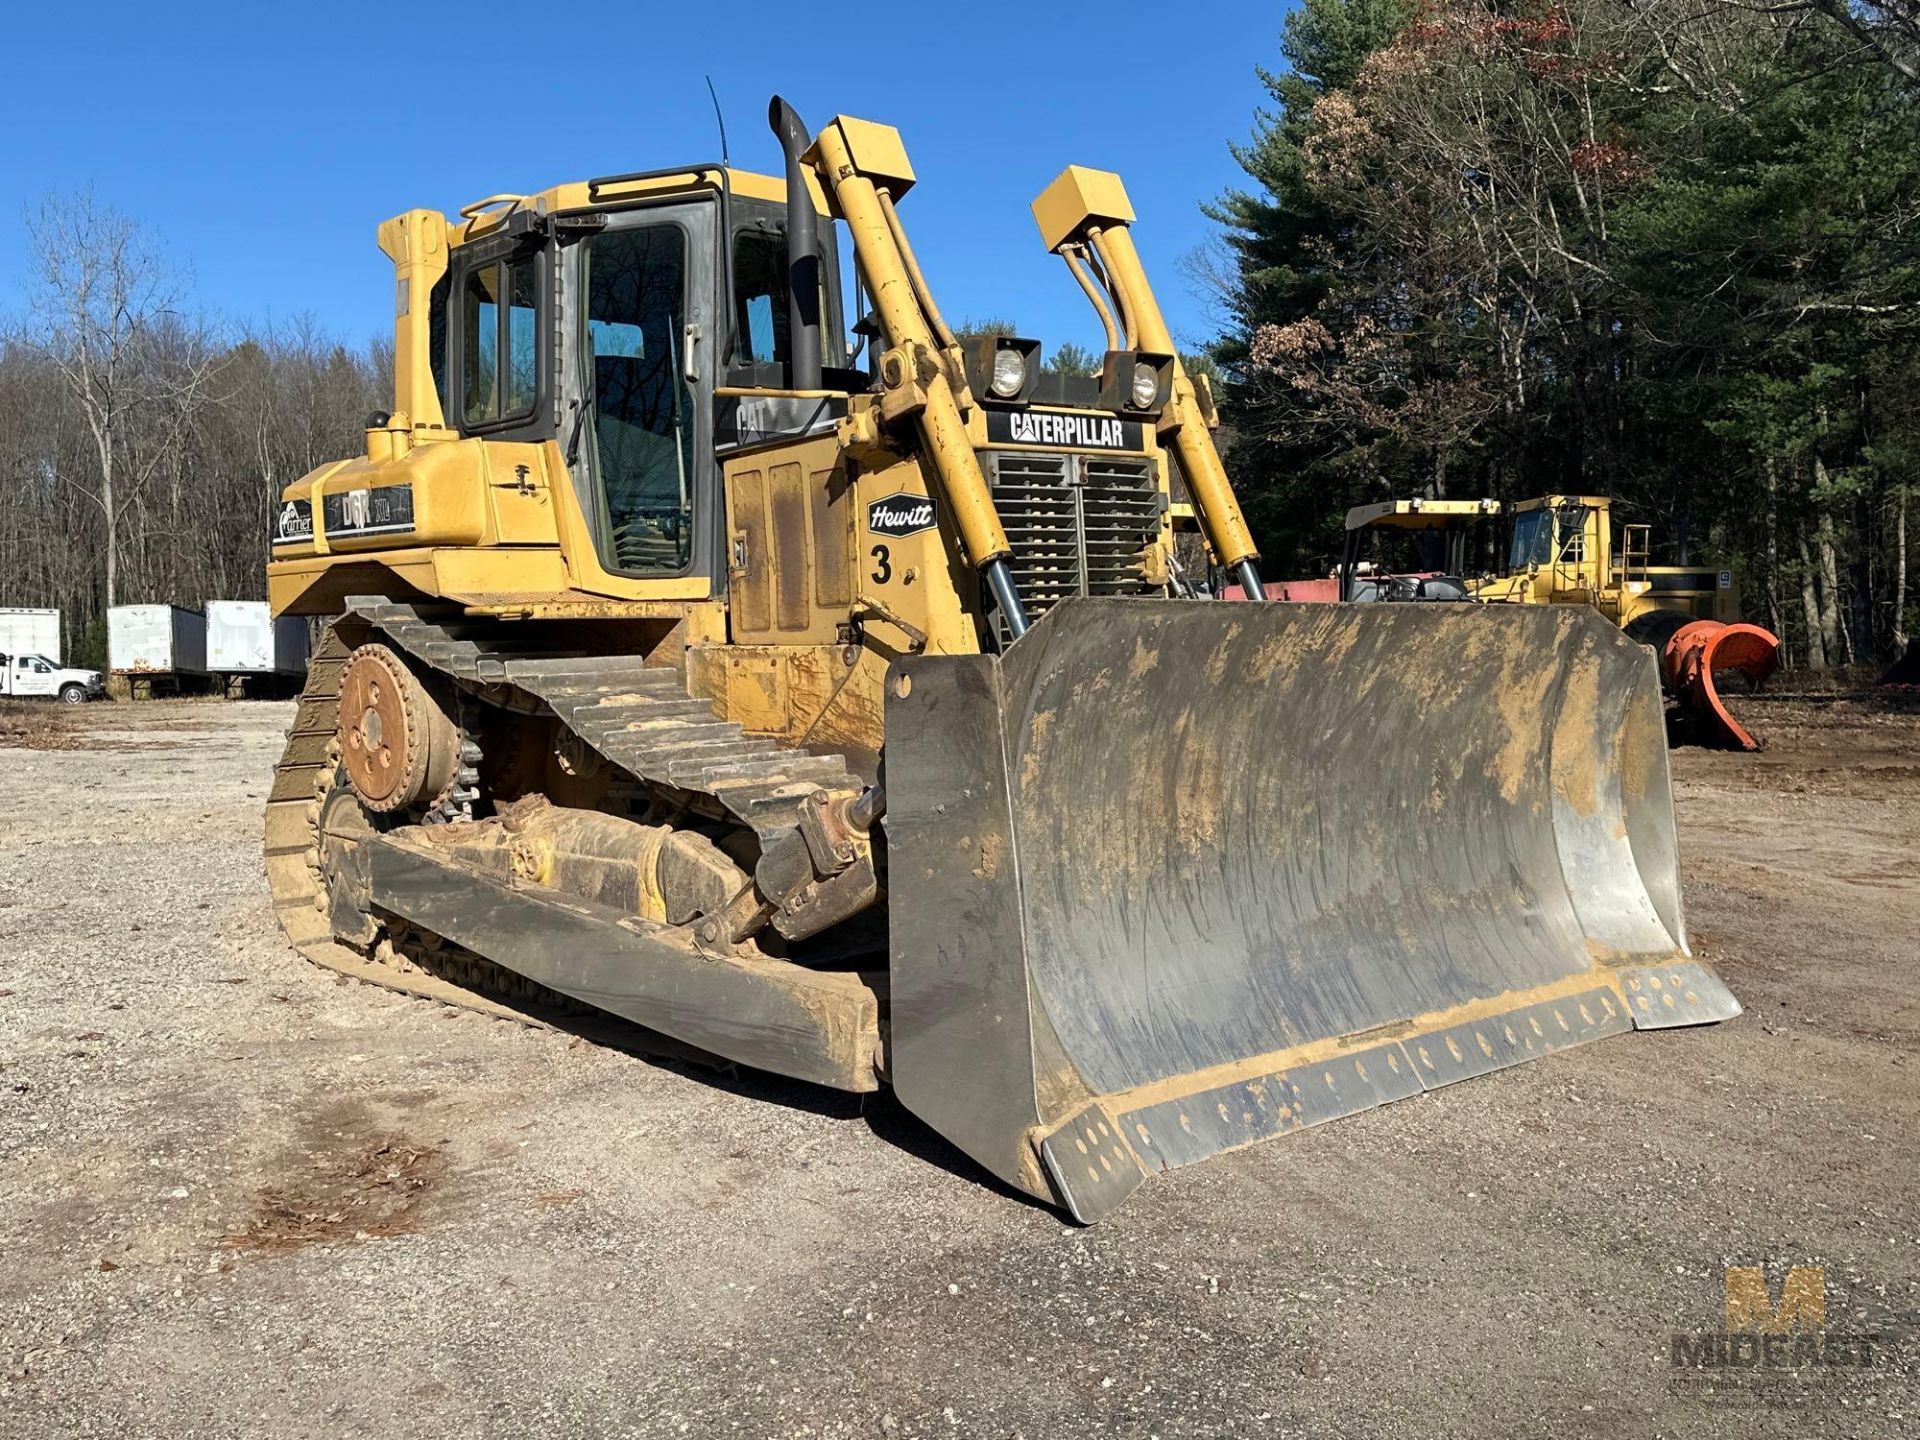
(1169, 878)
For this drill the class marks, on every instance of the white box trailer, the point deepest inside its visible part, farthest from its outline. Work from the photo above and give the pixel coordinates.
(156, 646)
(30, 632)
(244, 639)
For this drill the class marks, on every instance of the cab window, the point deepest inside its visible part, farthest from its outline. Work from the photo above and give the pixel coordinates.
(1532, 539)
(1573, 534)
(437, 340)
(760, 291)
(762, 287)
(500, 356)
(642, 451)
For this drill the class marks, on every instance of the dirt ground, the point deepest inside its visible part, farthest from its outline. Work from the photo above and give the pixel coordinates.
(239, 1196)
(37, 725)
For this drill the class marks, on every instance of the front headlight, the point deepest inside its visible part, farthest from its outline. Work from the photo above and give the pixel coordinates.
(1146, 385)
(1009, 373)
(1136, 381)
(1003, 367)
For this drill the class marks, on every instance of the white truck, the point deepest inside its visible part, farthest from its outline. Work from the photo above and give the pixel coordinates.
(246, 646)
(30, 632)
(30, 675)
(30, 659)
(156, 647)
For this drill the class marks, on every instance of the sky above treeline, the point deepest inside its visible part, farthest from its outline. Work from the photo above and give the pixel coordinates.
(261, 144)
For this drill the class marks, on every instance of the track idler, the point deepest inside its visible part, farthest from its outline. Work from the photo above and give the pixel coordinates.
(400, 746)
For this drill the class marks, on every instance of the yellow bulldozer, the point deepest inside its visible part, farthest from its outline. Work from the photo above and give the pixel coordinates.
(837, 708)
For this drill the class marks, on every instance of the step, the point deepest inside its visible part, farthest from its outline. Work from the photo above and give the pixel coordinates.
(581, 669)
(796, 766)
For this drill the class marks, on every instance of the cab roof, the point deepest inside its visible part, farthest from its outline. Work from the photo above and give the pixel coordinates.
(1421, 514)
(1554, 502)
(483, 217)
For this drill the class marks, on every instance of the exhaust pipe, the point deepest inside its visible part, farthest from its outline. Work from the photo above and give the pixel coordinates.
(803, 253)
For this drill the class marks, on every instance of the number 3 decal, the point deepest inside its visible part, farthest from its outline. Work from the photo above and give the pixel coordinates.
(882, 565)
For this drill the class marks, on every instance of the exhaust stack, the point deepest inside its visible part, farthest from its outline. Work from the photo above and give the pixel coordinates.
(803, 253)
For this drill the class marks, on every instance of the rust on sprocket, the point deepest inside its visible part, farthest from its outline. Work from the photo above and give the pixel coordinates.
(399, 746)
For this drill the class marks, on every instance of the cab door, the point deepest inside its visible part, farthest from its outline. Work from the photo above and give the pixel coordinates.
(32, 676)
(639, 445)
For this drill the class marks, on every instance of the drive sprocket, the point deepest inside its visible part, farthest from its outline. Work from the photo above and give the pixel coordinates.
(400, 746)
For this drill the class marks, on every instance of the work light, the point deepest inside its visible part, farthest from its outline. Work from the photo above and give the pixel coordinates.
(1138, 381)
(1009, 373)
(1003, 367)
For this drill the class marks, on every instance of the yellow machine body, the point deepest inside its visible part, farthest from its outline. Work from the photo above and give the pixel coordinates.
(1564, 553)
(813, 601)
(675, 643)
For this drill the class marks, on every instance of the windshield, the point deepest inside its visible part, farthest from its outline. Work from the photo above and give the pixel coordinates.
(760, 296)
(1532, 539)
(760, 292)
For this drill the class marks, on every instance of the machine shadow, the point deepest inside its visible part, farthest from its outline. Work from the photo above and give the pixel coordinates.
(884, 1116)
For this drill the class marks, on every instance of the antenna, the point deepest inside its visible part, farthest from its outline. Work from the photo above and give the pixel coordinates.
(721, 121)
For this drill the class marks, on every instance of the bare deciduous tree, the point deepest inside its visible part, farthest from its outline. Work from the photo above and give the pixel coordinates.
(1889, 28)
(105, 314)
(141, 452)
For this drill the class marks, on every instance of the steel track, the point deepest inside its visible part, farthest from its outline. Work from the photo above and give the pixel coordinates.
(638, 718)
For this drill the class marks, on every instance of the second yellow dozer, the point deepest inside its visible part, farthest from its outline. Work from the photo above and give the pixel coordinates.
(852, 721)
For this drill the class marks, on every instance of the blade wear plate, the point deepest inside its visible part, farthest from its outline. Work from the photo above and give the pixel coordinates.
(1161, 850)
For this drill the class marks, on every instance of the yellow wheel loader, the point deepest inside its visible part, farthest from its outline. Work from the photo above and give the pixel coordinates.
(1562, 553)
(838, 711)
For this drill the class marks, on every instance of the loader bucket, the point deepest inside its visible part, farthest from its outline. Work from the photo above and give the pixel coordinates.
(1167, 878)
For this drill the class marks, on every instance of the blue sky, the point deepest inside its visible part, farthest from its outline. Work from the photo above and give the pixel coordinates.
(261, 143)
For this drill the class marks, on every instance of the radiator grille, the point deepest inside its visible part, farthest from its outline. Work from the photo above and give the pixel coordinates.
(1077, 523)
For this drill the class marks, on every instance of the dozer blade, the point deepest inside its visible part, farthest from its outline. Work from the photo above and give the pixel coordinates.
(1169, 878)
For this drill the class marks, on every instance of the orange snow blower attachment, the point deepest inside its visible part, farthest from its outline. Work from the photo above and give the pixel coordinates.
(1700, 649)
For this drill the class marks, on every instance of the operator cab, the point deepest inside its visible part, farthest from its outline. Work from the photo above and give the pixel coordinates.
(1556, 531)
(640, 391)
(593, 315)
(663, 327)
(1419, 549)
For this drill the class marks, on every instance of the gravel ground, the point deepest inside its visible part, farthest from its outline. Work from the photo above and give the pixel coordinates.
(240, 1196)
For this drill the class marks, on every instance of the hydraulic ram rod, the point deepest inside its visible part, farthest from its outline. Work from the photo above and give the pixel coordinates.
(1084, 207)
(909, 331)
